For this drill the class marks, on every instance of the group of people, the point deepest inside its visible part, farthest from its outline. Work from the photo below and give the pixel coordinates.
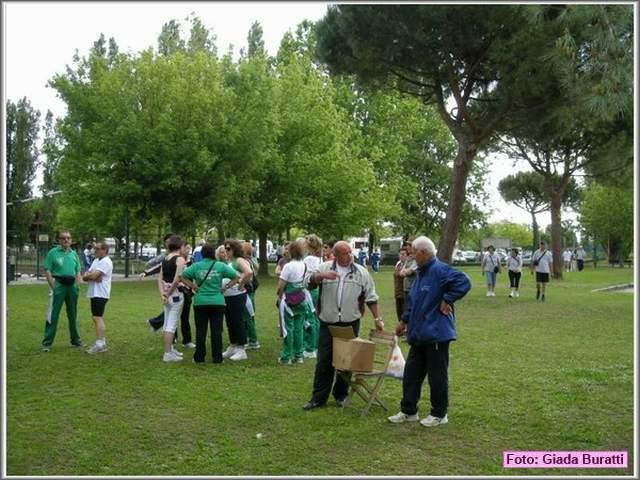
(541, 265)
(319, 284)
(573, 260)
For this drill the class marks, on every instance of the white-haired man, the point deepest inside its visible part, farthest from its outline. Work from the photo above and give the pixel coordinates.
(430, 325)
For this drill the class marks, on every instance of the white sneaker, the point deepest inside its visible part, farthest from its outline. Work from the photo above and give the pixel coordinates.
(171, 357)
(178, 353)
(252, 346)
(239, 355)
(488, 294)
(313, 354)
(231, 349)
(95, 348)
(402, 417)
(493, 294)
(517, 293)
(432, 421)
(190, 345)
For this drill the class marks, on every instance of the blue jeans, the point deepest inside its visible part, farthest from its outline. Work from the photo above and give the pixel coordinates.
(491, 278)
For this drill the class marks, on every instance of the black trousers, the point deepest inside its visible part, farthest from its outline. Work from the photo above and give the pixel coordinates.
(208, 316)
(233, 316)
(432, 361)
(514, 279)
(325, 374)
(185, 328)
(399, 307)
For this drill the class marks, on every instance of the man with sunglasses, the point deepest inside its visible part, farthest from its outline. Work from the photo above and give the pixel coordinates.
(62, 269)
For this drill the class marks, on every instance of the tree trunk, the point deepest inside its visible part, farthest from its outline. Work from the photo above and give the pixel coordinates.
(536, 232)
(126, 241)
(263, 270)
(372, 241)
(159, 242)
(461, 167)
(556, 233)
(221, 233)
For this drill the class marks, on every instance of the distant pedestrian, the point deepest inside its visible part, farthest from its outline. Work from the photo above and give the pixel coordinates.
(375, 261)
(541, 263)
(398, 282)
(87, 257)
(62, 269)
(197, 252)
(362, 257)
(99, 278)
(490, 266)
(567, 257)
(514, 267)
(579, 254)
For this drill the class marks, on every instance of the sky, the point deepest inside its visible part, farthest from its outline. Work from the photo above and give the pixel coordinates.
(40, 39)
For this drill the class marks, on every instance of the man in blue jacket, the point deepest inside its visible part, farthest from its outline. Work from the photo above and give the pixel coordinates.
(430, 325)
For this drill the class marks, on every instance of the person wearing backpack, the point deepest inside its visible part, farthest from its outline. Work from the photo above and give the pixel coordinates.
(541, 262)
(204, 278)
(291, 291)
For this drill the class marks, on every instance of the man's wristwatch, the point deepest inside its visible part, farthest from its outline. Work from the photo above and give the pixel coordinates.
(378, 319)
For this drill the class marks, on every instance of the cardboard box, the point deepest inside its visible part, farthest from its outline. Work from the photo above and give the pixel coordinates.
(350, 352)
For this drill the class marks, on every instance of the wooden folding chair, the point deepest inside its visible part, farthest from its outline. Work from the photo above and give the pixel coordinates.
(368, 384)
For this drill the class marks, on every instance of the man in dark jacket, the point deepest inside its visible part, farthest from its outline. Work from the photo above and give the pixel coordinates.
(430, 325)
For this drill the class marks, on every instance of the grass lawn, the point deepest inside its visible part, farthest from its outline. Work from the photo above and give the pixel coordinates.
(523, 375)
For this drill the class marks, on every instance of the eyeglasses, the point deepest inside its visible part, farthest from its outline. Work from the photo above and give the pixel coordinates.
(65, 238)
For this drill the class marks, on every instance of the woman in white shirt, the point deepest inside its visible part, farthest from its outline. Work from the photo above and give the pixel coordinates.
(490, 266)
(514, 267)
(291, 291)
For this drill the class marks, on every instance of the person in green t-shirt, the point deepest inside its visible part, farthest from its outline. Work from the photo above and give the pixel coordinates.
(62, 269)
(205, 279)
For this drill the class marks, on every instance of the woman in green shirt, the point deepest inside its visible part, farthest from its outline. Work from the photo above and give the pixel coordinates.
(205, 279)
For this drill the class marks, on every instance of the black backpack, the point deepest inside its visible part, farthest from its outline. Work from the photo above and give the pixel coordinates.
(253, 285)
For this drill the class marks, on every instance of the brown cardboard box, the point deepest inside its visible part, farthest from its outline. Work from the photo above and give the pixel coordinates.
(351, 353)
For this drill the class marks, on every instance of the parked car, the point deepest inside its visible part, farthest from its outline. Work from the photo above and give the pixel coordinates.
(526, 257)
(471, 257)
(272, 257)
(458, 257)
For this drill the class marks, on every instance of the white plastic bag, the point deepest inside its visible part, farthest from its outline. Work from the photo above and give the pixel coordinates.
(396, 364)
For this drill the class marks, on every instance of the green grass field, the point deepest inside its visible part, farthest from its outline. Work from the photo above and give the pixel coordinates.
(523, 375)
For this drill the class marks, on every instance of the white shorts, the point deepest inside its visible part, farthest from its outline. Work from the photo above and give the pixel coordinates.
(172, 312)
